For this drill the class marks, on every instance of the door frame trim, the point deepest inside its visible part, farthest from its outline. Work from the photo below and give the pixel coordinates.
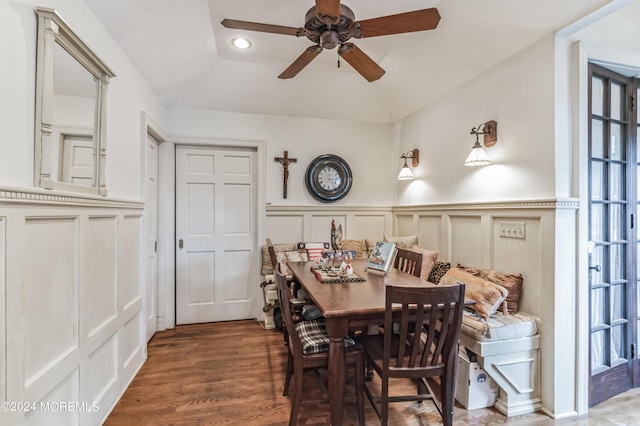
(170, 173)
(579, 57)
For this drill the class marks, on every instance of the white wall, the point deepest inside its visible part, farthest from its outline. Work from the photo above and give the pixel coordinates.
(518, 94)
(128, 94)
(366, 147)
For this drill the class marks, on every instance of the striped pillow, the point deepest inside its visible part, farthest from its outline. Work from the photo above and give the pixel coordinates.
(314, 250)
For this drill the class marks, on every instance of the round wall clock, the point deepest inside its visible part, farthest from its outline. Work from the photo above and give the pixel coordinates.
(328, 178)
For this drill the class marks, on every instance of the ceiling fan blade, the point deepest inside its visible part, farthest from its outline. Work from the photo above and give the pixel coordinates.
(302, 61)
(328, 11)
(265, 28)
(360, 62)
(419, 20)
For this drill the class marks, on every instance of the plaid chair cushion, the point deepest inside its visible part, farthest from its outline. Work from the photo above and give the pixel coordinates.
(314, 338)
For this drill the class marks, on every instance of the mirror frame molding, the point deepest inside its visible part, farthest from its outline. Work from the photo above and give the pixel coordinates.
(53, 29)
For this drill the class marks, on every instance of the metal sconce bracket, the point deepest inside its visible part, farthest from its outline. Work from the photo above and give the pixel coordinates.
(490, 132)
(414, 155)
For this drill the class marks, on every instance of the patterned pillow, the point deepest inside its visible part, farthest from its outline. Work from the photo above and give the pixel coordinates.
(267, 267)
(429, 258)
(438, 271)
(314, 337)
(402, 242)
(290, 256)
(512, 282)
(314, 250)
(487, 295)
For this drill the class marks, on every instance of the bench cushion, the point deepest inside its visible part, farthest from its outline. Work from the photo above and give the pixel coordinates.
(314, 337)
(498, 326)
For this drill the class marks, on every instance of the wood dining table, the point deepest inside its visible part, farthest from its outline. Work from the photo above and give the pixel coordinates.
(348, 306)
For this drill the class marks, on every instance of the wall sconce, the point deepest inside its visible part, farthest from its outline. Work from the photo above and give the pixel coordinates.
(478, 156)
(405, 171)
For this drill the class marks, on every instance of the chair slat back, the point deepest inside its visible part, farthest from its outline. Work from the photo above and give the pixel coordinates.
(408, 261)
(428, 329)
(284, 295)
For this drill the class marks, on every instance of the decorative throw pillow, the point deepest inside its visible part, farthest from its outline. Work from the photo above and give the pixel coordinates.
(429, 258)
(267, 267)
(438, 271)
(314, 250)
(402, 242)
(512, 282)
(487, 295)
(357, 245)
(290, 256)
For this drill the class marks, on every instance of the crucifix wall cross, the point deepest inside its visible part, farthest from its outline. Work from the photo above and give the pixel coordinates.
(285, 164)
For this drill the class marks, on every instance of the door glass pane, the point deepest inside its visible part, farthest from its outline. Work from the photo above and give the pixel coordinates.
(616, 188)
(597, 222)
(616, 101)
(597, 96)
(617, 298)
(616, 143)
(617, 222)
(618, 347)
(597, 351)
(598, 307)
(597, 138)
(597, 259)
(617, 265)
(597, 183)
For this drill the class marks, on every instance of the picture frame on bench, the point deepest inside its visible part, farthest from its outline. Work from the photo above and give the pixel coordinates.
(382, 256)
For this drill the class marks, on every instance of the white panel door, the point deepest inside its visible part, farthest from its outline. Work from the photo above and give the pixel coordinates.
(215, 234)
(78, 163)
(151, 249)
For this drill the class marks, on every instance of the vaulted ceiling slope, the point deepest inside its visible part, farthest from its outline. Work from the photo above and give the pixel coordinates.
(185, 54)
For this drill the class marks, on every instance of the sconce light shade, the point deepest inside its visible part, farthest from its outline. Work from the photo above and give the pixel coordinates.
(478, 156)
(405, 171)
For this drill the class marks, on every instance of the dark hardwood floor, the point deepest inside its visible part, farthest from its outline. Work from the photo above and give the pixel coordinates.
(232, 373)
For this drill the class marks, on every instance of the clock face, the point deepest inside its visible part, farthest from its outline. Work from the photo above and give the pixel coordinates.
(328, 178)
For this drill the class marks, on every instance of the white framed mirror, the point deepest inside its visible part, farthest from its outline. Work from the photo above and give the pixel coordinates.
(71, 95)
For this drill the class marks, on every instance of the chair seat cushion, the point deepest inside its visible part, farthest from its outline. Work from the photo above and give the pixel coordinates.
(498, 326)
(314, 337)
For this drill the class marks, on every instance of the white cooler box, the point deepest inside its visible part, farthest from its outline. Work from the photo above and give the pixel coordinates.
(474, 387)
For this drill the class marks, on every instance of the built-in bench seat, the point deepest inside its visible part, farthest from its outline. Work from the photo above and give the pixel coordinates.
(507, 348)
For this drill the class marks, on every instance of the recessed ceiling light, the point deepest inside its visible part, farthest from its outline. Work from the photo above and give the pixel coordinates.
(241, 43)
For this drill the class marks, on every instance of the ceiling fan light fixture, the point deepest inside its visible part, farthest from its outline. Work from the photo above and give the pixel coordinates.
(329, 39)
(241, 43)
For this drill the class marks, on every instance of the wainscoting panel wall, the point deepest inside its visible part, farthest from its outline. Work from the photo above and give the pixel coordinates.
(71, 279)
(292, 224)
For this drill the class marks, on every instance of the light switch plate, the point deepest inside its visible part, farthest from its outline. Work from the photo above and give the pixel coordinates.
(510, 229)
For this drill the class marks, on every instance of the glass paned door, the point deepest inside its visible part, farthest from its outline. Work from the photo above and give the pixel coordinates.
(613, 190)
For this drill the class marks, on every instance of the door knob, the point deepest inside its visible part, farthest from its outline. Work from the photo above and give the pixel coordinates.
(180, 243)
(597, 268)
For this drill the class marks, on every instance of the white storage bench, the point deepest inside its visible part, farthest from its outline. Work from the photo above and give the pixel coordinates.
(507, 348)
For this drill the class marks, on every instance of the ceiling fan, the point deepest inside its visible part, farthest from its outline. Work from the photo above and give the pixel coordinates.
(330, 24)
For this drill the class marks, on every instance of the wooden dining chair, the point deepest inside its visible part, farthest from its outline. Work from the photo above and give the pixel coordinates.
(402, 354)
(308, 349)
(408, 261)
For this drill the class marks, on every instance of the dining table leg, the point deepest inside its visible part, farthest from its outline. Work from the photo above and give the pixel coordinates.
(337, 328)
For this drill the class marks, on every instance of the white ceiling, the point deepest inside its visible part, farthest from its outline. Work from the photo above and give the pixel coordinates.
(185, 54)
